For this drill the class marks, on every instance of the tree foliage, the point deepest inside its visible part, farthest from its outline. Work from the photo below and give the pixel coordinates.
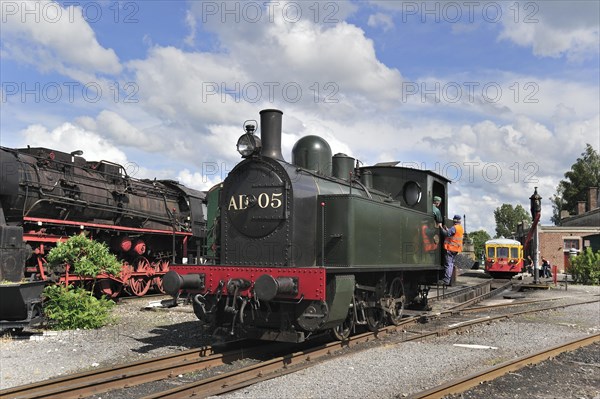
(84, 256)
(584, 173)
(507, 219)
(585, 267)
(479, 238)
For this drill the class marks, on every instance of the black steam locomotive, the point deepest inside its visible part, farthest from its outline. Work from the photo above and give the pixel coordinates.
(315, 245)
(48, 196)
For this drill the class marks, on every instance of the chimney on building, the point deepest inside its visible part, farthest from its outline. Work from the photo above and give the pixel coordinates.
(564, 214)
(593, 198)
(580, 207)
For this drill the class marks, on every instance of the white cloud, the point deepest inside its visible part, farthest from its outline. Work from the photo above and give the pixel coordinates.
(190, 21)
(53, 38)
(381, 20)
(68, 137)
(122, 133)
(311, 54)
(199, 181)
(554, 28)
(549, 28)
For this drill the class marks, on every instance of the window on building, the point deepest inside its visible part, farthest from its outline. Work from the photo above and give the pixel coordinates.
(571, 243)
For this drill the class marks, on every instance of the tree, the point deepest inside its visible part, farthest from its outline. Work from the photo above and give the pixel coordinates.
(584, 173)
(507, 219)
(585, 267)
(86, 258)
(479, 238)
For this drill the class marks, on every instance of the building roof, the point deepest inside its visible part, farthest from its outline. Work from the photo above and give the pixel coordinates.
(591, 218)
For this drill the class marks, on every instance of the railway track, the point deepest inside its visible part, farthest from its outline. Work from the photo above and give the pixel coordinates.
(296, 361)
(123, 376)
(98, 381)
(462, 384)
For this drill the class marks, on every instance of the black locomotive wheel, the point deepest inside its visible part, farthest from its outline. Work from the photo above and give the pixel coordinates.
(375, 318)
(396, 292)
(343, 331)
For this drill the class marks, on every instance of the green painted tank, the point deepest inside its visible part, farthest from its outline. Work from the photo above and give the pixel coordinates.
(313, 153)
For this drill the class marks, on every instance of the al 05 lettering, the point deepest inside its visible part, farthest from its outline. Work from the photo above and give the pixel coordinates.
(242, 201)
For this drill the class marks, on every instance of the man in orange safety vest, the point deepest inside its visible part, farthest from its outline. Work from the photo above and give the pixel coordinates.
(453, 244)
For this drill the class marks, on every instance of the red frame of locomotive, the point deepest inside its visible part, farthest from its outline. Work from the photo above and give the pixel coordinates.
(128, 274)
(311, 280)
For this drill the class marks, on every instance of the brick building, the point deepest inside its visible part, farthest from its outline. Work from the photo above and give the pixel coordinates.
(576, 232)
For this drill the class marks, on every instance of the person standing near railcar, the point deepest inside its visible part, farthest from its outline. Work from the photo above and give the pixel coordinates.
(546, 268)
(437, 214)
(453, 244)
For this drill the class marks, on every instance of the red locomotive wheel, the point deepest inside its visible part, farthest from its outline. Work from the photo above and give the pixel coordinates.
(138, 286)
(142, 265)
(109, 287)
(160, 267)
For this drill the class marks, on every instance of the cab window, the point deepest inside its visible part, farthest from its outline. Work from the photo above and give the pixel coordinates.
(491, 252)
(514, 253)
(502, 252)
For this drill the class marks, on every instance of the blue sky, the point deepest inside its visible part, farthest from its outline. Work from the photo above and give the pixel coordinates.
(499, 96)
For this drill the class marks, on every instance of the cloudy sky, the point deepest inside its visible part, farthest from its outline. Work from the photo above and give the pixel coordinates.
(499, 97)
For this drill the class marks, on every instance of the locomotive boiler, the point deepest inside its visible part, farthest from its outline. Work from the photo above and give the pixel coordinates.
(314, 245)
(47, 196)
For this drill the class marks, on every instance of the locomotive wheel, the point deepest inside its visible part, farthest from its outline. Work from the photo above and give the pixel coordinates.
(375, 318)
(343, 331)
(138, 285)
(109, 287)
(142, 265)
(396, 292)
(160, 266)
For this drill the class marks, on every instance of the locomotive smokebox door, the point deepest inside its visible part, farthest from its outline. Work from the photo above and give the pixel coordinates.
(255, 203)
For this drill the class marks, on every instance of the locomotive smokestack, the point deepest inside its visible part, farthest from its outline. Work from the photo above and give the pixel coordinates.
(270, 133)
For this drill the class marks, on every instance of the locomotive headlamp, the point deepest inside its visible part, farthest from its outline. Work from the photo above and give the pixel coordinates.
(248, 144)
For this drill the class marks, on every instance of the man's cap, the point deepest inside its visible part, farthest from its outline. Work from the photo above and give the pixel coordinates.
(456, 218)
(436, 198)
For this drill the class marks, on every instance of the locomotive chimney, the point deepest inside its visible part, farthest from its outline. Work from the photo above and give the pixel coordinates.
(270, 133)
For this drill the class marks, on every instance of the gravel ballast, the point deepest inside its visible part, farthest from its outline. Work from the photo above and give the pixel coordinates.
(395, 369)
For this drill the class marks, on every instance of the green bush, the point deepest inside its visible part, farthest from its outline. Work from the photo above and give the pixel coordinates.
(86, 257)
(585, 267)
(70, 308)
